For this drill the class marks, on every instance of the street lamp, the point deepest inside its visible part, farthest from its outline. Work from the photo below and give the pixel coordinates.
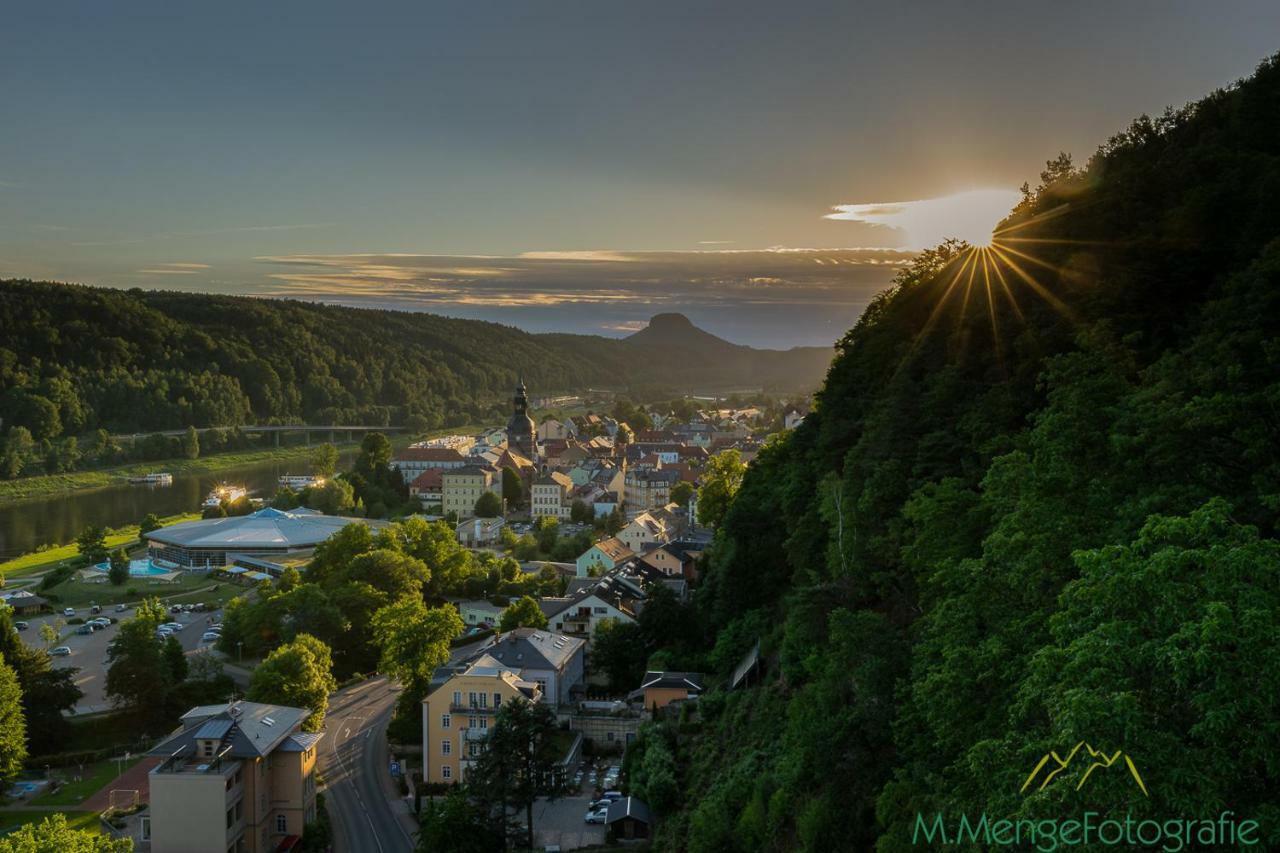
(240, 651)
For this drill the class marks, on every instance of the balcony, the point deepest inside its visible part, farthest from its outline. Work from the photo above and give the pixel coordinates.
(474, 733)
(469, 710)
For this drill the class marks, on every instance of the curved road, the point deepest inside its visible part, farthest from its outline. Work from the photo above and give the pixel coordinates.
(366, 812)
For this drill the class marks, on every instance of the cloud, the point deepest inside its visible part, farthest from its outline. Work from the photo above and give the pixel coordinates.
(174, 269)
(212, 232)
(926, 222)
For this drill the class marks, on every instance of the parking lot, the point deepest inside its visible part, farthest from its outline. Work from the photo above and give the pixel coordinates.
(89, 651)
(561, 822)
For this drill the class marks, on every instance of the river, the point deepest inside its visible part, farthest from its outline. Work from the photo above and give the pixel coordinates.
(26, 525)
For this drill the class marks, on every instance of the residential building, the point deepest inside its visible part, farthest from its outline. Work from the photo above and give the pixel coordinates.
(428, 487)
(659, 689)
(604, 556)
(667, 559)
(644, 532)
(605, 503)
(553, 430)
(238, 777)
(552, 661)
(479, 612)
(793, 418)
(580, 615)
(646, 488)
(412, 461)
(549, 496)
(458, 712)
(462, 487)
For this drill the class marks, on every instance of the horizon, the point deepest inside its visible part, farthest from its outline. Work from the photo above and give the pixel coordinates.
(584, 156)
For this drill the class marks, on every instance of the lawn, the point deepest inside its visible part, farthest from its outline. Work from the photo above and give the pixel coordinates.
(9, 821)
(50, 558)
(188, 588)
(92, 778)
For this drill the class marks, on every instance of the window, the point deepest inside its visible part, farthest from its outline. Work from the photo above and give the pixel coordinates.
(446, 772)
(446, 747)
(609, 736)
(457, 697)
(484, 723)
(601, 610)
(444, 721)
(484, 700)
(473, 721)
(282, 823)
(497, 700)
(472, 697)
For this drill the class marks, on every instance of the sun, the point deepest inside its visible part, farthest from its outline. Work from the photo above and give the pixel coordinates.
(970, 216)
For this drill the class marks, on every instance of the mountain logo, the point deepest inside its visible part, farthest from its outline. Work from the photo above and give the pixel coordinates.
(1096, 759)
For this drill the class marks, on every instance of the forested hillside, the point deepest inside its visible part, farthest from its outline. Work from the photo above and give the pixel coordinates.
(1036, 504)
(75, 359)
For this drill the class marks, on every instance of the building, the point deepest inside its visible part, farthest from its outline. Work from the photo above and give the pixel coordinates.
(659, 689)
(412, 461)
(668, 559)
(605, 556)
(462, 487)
(629, 819)
(648, 488)
(479, 532)
(580, 615)
(792, 418)
(549, 496)
(554, 430)
(521, 432)
(555, 662)
(479, 612)
(428, 487)
(238, 777)
(458, 711)
(269, 533)
(24, 602)
(644, 532)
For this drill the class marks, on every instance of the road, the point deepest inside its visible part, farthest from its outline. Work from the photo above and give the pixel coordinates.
(366, 811)
(353, 761)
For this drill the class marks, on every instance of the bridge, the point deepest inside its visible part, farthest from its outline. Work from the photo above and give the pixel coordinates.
(332, 431)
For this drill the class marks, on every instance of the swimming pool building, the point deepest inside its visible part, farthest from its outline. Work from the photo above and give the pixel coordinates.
(268, 533)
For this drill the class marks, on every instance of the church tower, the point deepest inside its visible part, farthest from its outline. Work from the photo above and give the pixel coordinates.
(522, 435)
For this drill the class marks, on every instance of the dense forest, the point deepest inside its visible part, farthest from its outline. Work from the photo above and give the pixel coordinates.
(1036, 504)
(76, 359)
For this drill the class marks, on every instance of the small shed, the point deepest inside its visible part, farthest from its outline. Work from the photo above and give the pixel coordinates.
(629, 818)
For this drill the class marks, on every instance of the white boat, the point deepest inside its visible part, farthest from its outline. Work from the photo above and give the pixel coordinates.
(298, 482)
(230, 494)
(161, 478)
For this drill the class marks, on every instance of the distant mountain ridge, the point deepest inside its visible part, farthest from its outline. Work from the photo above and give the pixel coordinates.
(76, 358)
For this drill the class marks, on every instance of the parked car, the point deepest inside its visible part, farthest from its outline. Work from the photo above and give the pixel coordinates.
(69, 611)
(610, 796)
(210, 637)
(96, 608)
(173, 626)
(120, 608)
(60, 651)
(177, 608)
(21, 626)
(596, 816)
(100, 622)
(87, 628)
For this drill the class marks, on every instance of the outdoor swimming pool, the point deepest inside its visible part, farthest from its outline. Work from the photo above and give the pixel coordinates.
(137, 568)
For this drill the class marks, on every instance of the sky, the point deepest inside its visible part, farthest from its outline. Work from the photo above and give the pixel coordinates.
(763, 167)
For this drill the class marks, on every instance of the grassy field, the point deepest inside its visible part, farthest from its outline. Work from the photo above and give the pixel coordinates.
(11, 820)
(50, 558)
(92, 778)
(188, 588)
(46, 485)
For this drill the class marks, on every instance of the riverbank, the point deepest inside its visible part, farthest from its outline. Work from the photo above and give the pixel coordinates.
(52, 485)
(39, 562)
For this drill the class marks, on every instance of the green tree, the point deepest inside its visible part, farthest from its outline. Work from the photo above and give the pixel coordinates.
(374, 456)
(52, 834)
(118, 573)
(92, 544)
(149, 523)
(175, 660)
(191, 443)
(324, 460)
(137, 675)
(519, 760)
(414, 640)
(13, 727)
(48, 634)
(488, 505)
(299, 675)
(618, 650)
(523, 613)
(335, 497)
(456, 822)
(720, 482)
(512, 488)
(681, 493)
(547, 531)
(581, 513)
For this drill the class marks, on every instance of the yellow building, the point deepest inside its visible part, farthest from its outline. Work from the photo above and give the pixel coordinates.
(462, 487)
(549, 496)
(457, 714)
(238, 777)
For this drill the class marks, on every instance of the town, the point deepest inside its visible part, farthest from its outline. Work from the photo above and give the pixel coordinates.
(354, 673)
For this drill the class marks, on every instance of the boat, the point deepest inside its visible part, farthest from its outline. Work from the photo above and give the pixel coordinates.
(159, 478)
(230, 494)
(298, 482)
